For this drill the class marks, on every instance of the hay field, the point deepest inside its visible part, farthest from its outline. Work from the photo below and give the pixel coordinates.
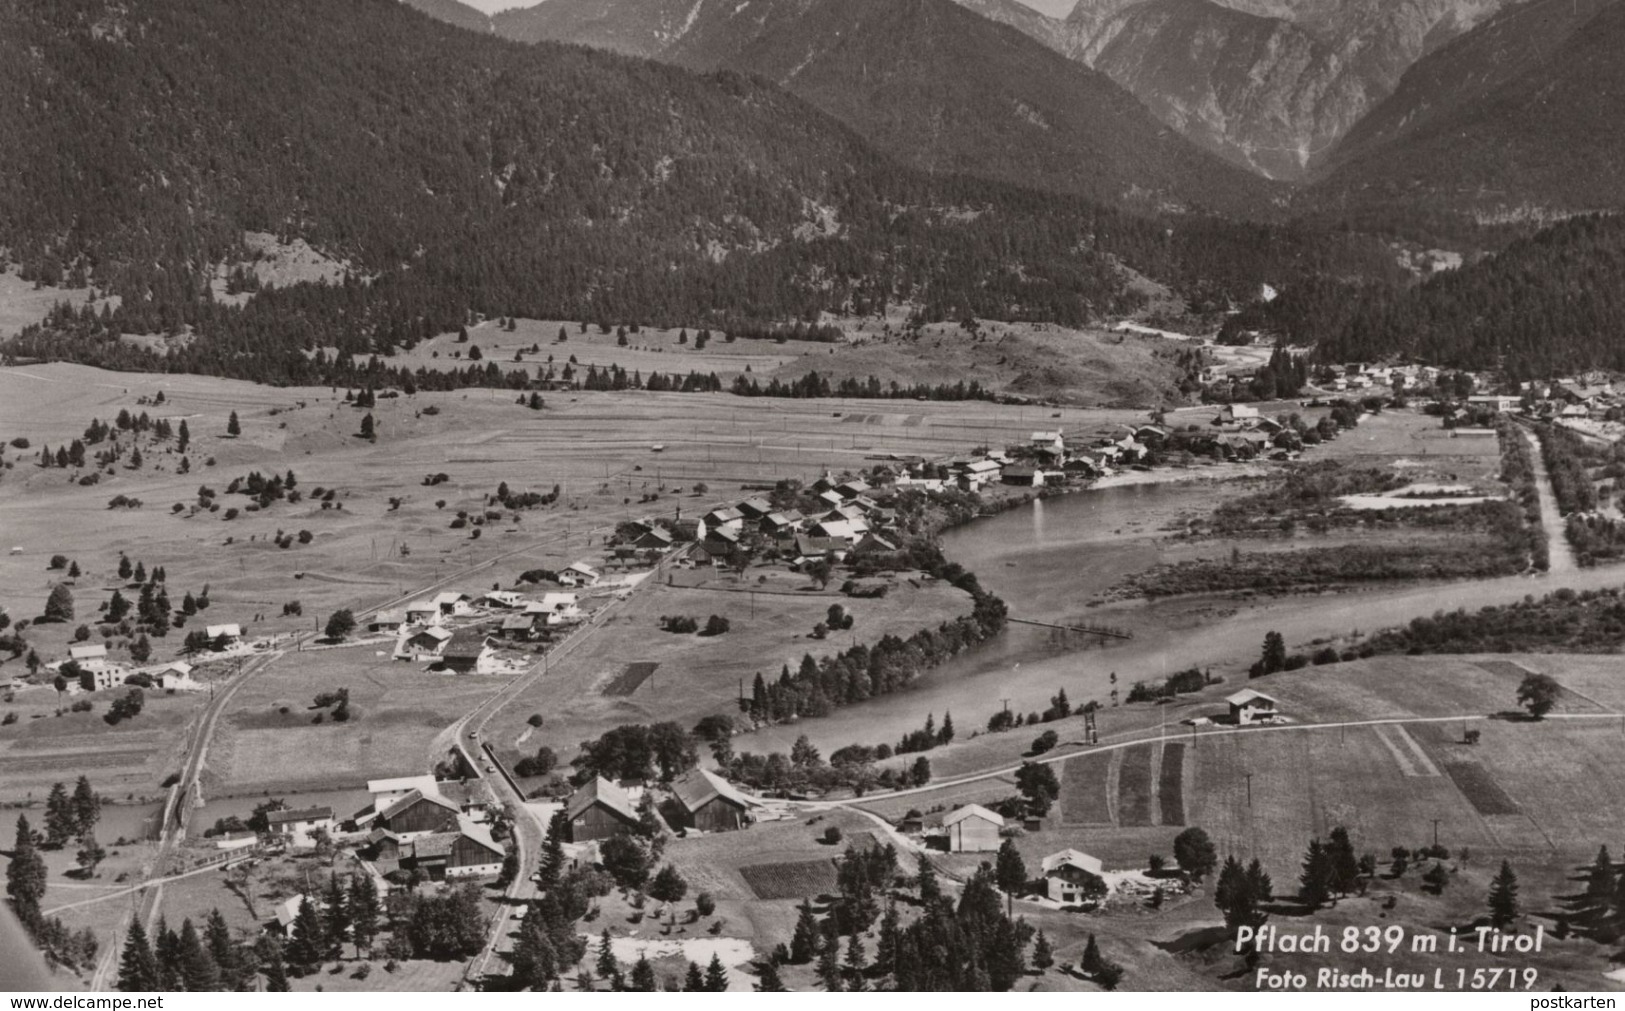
(399, 707)
(583, 694)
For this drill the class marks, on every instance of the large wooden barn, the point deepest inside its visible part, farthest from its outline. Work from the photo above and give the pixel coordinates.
(708, 803)
(599, 809)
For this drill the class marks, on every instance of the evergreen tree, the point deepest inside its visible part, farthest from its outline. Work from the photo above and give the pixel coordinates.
(138, 968)
(946, 734)
(364, 912)
(183, 438)
(1315, 883)
(535, 960)
(166, 946)
(272, 964)
(367, 427)
(198, 972)
(886, 943)
(930, 889)
(124, 567)
(1091, 961)
(1274, 654)
(1503, 899)
(234, 427)
(553, 858)
(1043, 954)
(608, 967)
(336, 917)
(1601, 885)
(217, 940)
(804, 941)
(829, 968)
(87, 807)
(1010, 871)
(308, 942)
(1233, 894)
(643, 976)
(857, 960)
(694, 981)
(61, 824)
(1345, 865)
(25, 875)
(770, 982)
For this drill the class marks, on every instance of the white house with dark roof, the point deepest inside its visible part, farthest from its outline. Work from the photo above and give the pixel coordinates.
(1250, 706)
(1072, 876)
(424, 644)
(297, 827)
(232, 633)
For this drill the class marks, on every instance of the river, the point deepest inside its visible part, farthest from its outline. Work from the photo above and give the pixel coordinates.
(1048, 559)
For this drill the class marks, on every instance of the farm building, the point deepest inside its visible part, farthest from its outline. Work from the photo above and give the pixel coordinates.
(232, 635)
(518, 627)
(468, 652)
(387, 791)
(425, 644)
(973, 829)
(599, 809)
(1248, 707)
(709, 803)
(298, 828)
(418, 814)
(287, 911)
(387, 621)
(1072, 876)
(755, 507)
(424, 612)
(465, 851)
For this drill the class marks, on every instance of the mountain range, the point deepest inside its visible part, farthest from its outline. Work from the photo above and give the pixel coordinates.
(929, 83)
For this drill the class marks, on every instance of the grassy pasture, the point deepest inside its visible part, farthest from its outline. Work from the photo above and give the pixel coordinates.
(399, 708)
(691, 676)
(1134, 787)
(1084, 792)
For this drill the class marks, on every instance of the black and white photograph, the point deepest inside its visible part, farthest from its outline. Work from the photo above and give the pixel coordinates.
(1023, 496)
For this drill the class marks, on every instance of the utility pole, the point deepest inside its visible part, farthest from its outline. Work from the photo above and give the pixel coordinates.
(1435, 832)
(1250, 796)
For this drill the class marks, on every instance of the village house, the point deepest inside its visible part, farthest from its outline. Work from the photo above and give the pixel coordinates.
(452, 604)
(297, 828)
(225, 636)
(597, 810)
(287, 911)
(845, 532)
(424, 644)
(1048, 442)
(97, 675)
(517, 628)
(1072, 877)
(872, 541)
(468, 652)
(781, 525)
(1249, 707)
(240, 840)
(654, 539)
(754, 508)
(830, 497)
(473, 797)
(418, 813)
(723, 518)
(979, 474)
(175, 676)
(387, 621)
(721, 543)
(424, 612)
(505, 600)
(579, 574)
(1500, 404)
(973, 829)
(852, 489)
(555, 609)
(1235, 414)
(706, 802)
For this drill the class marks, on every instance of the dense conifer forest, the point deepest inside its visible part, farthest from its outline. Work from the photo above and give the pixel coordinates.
(455, 172)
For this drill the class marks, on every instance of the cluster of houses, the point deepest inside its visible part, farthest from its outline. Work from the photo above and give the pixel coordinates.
(848, 518)
(415, 823)
(98, 672)
(456, 630)
(1071, 877)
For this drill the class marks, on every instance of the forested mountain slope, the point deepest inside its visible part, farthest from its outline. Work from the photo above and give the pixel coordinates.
(930, 83)
(1550, 304)
(1520, 118)
(457, 171)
